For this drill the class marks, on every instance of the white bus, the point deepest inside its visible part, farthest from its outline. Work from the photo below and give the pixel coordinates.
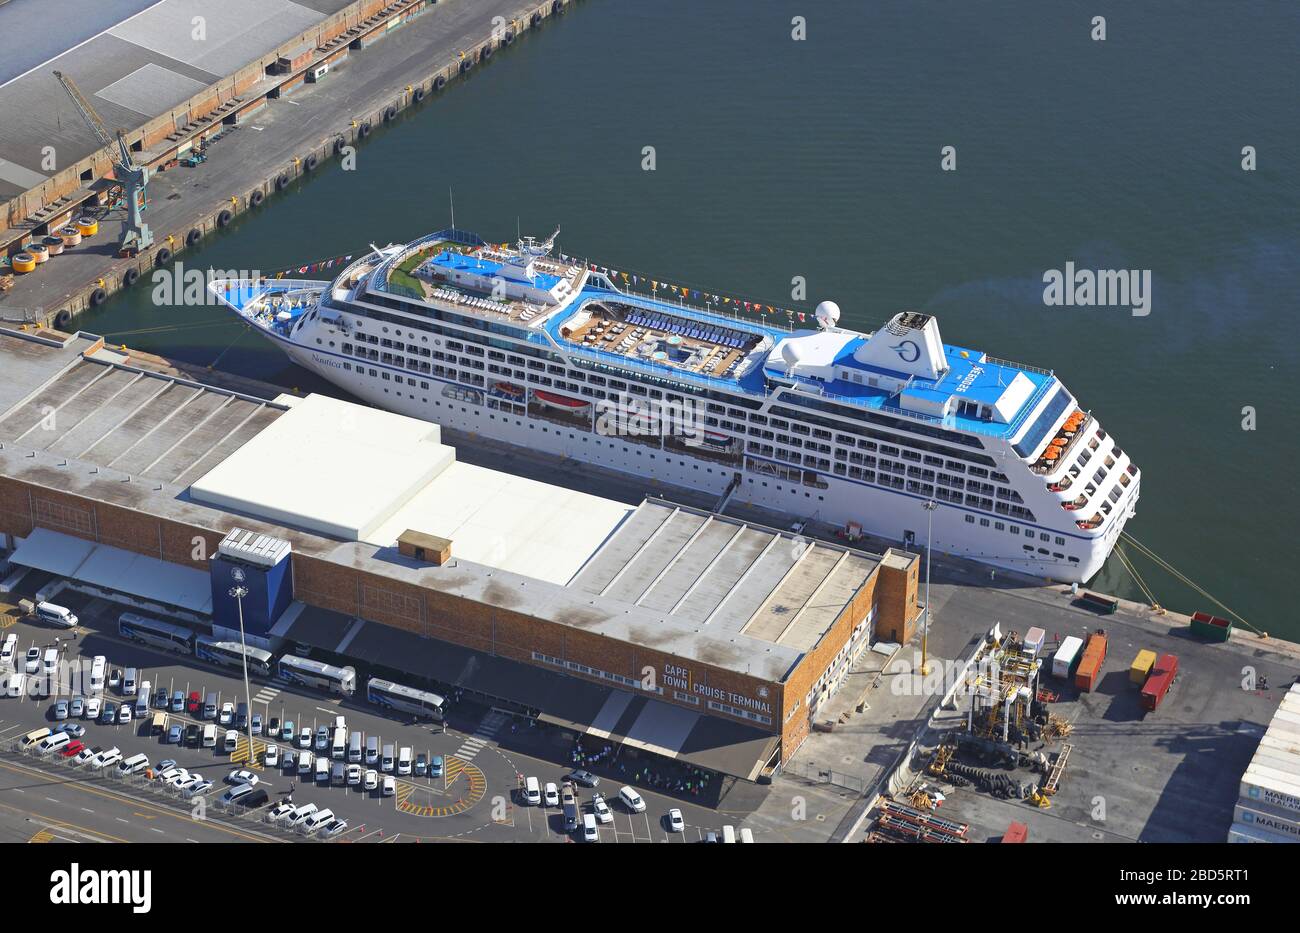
(407, 699)
(232, 654)
(322, 676)
(98, 668)
(148, 631)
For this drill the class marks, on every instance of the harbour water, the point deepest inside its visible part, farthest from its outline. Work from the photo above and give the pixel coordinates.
(776, 159)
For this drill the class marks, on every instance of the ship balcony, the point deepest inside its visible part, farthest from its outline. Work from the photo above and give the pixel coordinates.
(1075, 504)
(1091, 523)
(1058, 452)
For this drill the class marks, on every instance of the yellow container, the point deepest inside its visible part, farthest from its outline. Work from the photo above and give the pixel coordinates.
(1141, 667)
(87, 226)
(24, 262)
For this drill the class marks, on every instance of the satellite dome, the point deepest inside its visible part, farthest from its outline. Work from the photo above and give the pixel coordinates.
(790, 353)
(827, 314)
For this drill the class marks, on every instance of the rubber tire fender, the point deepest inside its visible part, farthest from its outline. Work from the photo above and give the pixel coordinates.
(224, 218)
(311, 162)
(363, 130)
(97, 297)
(162, 257)
(130, 277)
(64, 318)
(256, 198)
(193, 236)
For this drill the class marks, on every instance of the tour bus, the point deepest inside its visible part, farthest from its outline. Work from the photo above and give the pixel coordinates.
(148, 631)
(232, 654)
(322, 676)
(421, 703)
(98, 668)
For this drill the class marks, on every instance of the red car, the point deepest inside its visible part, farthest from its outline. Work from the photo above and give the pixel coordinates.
(72, 748)
(194, 704)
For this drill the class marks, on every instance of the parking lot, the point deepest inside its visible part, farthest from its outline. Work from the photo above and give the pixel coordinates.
(486, 754)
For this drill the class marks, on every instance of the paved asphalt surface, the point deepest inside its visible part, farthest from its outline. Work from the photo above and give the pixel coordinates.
(47, 799)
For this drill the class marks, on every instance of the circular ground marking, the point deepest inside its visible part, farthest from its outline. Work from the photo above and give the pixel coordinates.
(465, 786)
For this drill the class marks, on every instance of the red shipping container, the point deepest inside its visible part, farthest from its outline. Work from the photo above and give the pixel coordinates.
(1094, 656)
(1157, 685)
(1016, 832)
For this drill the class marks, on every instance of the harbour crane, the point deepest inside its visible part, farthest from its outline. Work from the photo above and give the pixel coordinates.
(136, 236)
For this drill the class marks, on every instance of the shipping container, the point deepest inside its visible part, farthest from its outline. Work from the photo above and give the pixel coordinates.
(1157, 685)
(1141, 667)
(1094, 657)
(1279, 761)
(1257, 818)
(1067, 657)
(1240, 833)
(1282, 742)
(1280, 728)
(1016, 832)
(1265, 788)
(1033, 642)
(1211, 628)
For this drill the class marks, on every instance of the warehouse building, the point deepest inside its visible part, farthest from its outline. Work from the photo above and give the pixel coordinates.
(682, 633)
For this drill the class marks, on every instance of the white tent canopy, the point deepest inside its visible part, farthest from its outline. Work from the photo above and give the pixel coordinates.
(113, 568)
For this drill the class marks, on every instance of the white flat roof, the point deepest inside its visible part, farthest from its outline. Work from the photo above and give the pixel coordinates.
(357, 473)
(517, 524)
(328, 466)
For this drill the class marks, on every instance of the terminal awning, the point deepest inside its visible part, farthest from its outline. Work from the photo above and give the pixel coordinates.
(116, 569)
(602, 712)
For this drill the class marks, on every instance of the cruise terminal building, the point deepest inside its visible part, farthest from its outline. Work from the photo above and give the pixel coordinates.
(667, 629)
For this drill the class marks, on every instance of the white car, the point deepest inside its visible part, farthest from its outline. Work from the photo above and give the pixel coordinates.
(33, 665)
(86, 754)
(354, 775)
(271, 757)
(231, 741)
(390, 785)
(166, 776)
(110, 756)
(631, 799)
(193, 790)
(242, 776)
(124, 713)
(304, 738)
(601, 809)
(279, 812)
(189, 782)
(338, 826)
(589, 831)
(227, 714)
(550, 796)
(676, 823)
(322, 739)
(93, 707)
(371, 779)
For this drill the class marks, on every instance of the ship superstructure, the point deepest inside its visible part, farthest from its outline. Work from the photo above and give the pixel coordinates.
(521, 345)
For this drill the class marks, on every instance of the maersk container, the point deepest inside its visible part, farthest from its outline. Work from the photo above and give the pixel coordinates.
(1259, 785)
(1277, 770)
(1282, 742)
(1279, 761)
(1067, 657)
(1256, 818)
(1240, 833)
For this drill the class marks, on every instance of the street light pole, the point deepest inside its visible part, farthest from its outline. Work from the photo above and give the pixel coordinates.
(239, 592)
(930, 506)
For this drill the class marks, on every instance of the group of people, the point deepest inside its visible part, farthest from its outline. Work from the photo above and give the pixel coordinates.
(682, 779)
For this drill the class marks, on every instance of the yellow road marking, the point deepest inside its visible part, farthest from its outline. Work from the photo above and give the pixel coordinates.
(42, 836)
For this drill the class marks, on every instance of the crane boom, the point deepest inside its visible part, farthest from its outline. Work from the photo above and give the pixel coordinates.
(133, 178)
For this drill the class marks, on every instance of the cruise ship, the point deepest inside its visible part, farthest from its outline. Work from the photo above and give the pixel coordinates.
(892, 433)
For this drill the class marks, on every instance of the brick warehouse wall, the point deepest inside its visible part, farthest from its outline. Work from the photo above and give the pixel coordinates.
(893, 592)
(477, 626)
(515, 635)
(24, 506)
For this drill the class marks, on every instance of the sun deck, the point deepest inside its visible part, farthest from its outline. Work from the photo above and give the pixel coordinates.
(657, 336)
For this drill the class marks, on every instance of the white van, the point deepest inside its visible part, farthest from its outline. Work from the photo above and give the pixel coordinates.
(53, 742)
(300, 815)
(50, 660)
(589, 831)
(209, 736)
(404, 760)
(372, 749)
(354, 748)
(142, 700)
(133, 765)
(36, 735)
(532, 792)
(231, 741)
(728, 834)
(323, 769)
(746, 835)
(56, 615)
(98, 669)
(339, 747)
(15, 685)
(7, 652)
(386, 762)
(318, 820)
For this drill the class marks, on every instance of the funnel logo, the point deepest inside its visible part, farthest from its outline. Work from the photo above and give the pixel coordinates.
(907, 351)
